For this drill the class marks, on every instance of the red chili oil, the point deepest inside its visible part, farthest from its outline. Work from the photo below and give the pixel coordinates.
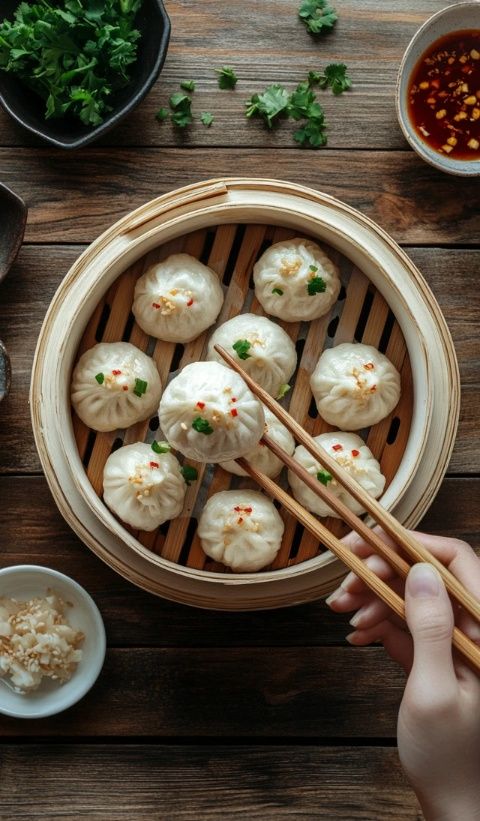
(444, 96)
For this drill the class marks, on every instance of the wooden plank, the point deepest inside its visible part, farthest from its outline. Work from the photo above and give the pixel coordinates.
(25, 295)
(278, 49)
(213, 783)
(246, 692)
(32, 530)
(406, 196)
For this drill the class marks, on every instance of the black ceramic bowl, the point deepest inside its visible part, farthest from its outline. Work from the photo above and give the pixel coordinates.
(28, 109)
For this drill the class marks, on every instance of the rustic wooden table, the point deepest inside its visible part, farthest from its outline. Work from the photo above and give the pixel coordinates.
(203, 715)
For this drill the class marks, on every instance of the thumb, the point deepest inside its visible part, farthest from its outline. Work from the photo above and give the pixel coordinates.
(430, 619)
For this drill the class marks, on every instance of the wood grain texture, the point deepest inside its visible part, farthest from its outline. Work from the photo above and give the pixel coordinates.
(38, 534)
(198, 783)
(25, 295)
(267, 43)
(74, 196)
(247, 692)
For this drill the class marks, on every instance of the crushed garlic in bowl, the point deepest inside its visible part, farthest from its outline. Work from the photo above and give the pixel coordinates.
(36, 642)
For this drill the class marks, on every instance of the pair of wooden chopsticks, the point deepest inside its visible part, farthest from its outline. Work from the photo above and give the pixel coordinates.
(400, 535)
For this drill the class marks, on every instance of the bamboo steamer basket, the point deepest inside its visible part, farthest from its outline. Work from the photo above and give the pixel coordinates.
(228, 223)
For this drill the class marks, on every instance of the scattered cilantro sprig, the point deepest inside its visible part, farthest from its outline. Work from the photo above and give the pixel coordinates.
(206, 118)
(76, 57)
(334, 76)
(318, 15)
(181, 105)
(301, 104)
(227, 79)
(270, 105)
(241, 348)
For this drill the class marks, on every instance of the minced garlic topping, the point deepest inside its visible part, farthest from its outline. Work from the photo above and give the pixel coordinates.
(290, 267)
(37, 642)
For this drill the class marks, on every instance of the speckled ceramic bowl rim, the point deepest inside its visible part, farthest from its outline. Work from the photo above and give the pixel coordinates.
(467, 169)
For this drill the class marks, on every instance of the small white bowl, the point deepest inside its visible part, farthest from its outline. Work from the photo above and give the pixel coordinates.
(24, 582)
(460, 17)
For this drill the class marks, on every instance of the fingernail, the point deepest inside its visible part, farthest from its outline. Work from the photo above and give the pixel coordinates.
(423, 581)
(356, 619)
(347, 581)
(349, 638)
(335, 595)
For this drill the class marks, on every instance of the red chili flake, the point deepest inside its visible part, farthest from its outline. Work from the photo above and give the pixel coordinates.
(155, 305)
(154, 465)
(355, 453)
(190, 302)
(337, 447)
(116, 373)
(465, 69)
(240, 521)
(247, 509)
(233, 399)
(369, 366)
(200, 405)
(234, 412)
(436, 83)
(125, 388)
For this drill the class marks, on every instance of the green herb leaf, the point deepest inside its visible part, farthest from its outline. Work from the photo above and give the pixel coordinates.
(202, 426)
(226, 77)
(316, 285)
(181, 105)
(189, 473)
(312, 133)
(324, 477)
(140, 387)
(270, 105)
(206, 118)
(162, 114)
(241, 347)
(160, 447)
(74, 58)
(188, 85)
(283, 390)
(277, 291)
(318, 16)
(335, 77)
(100, 377)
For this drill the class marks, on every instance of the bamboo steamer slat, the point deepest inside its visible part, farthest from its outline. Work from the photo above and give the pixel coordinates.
(228, 223)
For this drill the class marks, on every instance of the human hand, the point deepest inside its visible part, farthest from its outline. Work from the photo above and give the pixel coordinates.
(439, 718)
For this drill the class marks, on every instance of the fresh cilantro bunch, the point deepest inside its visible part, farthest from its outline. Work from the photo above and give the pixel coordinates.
(75, 55)
(318, 16)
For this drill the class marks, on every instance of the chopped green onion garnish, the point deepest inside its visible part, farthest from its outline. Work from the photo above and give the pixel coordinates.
(160, 447)
(100, 378)
(314, 268)
(316, 285)
(277, 291)
(202, 426)
(189, 474)
(324, 477)
(140, 387)
(283, 390)
(241, 347)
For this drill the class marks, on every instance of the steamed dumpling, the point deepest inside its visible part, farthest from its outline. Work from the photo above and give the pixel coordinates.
(242, 529)
(350, 451)
(296, 281)
(208, 413)
(262, 457)
(142, 487)
(177, 299)
(114, 385)
(260, 346)
(354, 386)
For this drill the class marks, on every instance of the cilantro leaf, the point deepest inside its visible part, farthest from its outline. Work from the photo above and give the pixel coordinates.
(324, 477)
(206, 118)
(273, 103)
(316, 285)
(335, 77)
(241, 347)
(181, 105)
(312, 133)
(162, 114)
(318, 16)
(226, 77)
(189, 473)
(202, 426)
(188, 85)
(100, 377)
